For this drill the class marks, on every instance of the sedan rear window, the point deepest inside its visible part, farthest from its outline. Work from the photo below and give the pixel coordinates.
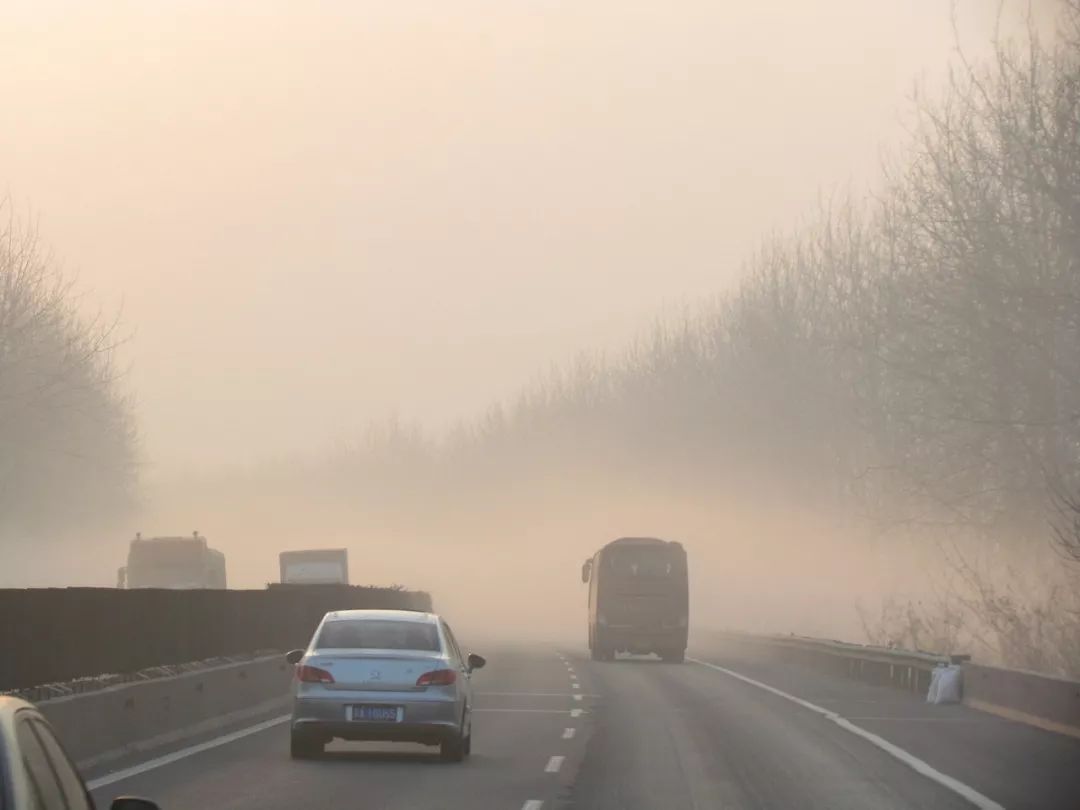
(372, 634)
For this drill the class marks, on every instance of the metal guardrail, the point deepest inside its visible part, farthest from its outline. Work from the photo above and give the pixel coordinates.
(79, 686)
(875, 653)
(904, 669)
(1043, 701)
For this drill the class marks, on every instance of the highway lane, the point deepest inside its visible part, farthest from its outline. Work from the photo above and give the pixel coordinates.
(684, 736)
(525, 704)
(554, 729)
(1016, 765)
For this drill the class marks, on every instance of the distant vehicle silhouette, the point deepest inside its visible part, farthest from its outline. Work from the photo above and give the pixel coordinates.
(325, 566)
(172, 562)
(638, 598)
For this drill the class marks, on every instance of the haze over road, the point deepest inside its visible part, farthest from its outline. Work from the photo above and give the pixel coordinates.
(318, 216)
(748, 326)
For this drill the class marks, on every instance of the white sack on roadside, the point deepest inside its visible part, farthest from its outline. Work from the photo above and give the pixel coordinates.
(946, 685)
(935, 679)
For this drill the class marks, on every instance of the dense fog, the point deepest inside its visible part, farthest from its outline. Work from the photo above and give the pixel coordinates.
(471, 294)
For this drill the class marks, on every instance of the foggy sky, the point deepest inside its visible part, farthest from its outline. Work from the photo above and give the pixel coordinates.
(318, 214)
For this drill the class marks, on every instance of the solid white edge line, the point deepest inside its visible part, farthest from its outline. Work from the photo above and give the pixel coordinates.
(912, 761)
(568, 733)
(183, 753)
(532, 804)
(553, 765)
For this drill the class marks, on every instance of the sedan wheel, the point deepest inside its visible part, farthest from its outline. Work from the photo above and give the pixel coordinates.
(452, 748)
(458, 746)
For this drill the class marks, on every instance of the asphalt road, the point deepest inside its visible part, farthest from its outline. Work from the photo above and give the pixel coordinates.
(554, 729)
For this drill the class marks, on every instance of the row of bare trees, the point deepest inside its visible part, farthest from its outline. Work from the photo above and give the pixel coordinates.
(67, 436)
(917, 353)
(911, 359)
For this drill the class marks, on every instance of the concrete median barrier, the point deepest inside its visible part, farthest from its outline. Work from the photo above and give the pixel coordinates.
(108, 724)
(96, 630)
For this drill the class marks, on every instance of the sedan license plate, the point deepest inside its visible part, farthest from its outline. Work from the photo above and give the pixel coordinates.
(376, 714)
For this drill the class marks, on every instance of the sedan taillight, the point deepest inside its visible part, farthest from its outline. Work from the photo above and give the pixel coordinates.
(437, 677)
(307, 674)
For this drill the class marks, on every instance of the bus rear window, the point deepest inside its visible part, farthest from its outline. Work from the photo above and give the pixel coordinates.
(643, 562)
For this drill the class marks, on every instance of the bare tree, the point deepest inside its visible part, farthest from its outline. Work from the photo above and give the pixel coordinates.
(67, 432)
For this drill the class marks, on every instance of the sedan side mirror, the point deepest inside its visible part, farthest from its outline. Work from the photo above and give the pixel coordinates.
(476, 661)
(133, 803)
(294, 656)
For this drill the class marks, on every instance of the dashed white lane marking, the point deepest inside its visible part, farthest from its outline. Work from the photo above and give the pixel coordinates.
(554, 763)
(532, 804)
(951, 719)
(575, 686)
(183, 753)
(913, 762)
(534, 711)
(576, 712)
(568, 733)
(531, 694)
(573, 677)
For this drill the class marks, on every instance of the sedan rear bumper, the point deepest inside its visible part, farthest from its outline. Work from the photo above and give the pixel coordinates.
(427, 721)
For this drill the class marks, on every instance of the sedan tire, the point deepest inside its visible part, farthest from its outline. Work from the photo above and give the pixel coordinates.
(455, 747)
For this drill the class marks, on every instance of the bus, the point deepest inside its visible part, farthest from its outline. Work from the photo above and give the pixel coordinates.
(638, 599)
(172, 562)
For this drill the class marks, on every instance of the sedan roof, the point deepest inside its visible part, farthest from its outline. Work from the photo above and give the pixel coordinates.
(382, 615)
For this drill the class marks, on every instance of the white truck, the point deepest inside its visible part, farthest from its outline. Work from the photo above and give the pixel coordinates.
(326, 566)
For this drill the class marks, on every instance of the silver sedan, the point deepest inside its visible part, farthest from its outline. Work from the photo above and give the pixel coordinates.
(386, 675)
